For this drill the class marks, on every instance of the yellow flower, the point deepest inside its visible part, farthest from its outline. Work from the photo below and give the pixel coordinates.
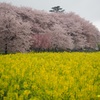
(27, 92)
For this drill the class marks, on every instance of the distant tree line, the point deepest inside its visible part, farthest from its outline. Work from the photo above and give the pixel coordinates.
(23, 30)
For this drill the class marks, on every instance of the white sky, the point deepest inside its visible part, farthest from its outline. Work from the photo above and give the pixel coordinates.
(88, 9)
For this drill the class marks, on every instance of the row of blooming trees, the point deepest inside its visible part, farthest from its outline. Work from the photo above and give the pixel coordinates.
(23, 30)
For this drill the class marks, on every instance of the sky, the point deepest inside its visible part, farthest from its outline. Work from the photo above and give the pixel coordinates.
(88, 9)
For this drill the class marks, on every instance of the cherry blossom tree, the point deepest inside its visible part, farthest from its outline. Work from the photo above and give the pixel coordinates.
(41, 42)
(14, 33)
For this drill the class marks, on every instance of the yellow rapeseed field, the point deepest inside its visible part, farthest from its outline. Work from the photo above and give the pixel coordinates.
(50, 76)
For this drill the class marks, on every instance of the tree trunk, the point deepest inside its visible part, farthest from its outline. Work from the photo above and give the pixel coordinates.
(6, 49)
